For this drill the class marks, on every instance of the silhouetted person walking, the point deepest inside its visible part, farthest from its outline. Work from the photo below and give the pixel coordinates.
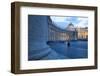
(68, 44)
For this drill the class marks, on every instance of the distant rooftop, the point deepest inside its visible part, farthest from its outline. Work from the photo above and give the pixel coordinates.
(70, 27)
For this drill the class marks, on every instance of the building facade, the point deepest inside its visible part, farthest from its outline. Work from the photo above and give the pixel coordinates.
(57, 34)
(70, 33)
(82, 33)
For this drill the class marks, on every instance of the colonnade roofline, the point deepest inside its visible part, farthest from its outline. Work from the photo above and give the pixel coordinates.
(58, 28)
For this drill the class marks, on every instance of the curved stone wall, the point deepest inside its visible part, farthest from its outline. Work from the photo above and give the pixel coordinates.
(37, 39)
(57, 34)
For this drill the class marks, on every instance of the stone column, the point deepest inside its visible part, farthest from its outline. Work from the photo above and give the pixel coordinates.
(37, 39)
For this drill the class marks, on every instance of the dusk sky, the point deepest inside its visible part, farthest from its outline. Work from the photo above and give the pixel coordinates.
(63, 22)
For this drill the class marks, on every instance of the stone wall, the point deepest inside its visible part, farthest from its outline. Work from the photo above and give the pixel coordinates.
(37, 39)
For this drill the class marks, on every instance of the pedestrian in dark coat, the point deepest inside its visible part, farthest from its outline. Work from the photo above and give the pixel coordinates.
(68, 44)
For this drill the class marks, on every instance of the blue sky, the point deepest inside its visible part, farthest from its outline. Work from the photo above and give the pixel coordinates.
(63, 22)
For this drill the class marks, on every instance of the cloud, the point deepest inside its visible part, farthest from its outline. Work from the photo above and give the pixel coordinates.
(82, 22)
(63, 22)
(69, 18)
(58, 19)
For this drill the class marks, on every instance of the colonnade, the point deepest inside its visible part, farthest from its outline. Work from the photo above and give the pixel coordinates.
(57, 34)
(37, 39)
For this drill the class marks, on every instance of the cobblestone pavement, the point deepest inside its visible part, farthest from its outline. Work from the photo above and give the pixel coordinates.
(77, 49)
